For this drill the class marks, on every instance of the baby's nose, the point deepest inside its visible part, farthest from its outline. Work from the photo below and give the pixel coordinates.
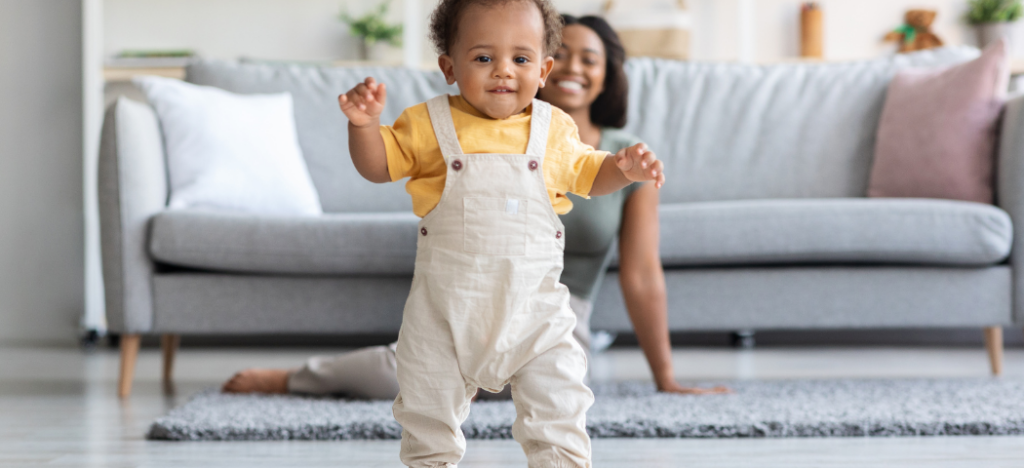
(503, 70)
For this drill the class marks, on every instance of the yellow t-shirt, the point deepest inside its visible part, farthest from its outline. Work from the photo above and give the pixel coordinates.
(413, 151)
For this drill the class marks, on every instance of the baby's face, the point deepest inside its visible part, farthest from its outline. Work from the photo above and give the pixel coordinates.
(498, 58)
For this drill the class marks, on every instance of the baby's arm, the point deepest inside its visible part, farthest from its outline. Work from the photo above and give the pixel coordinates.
(363, 105)
(633, 164)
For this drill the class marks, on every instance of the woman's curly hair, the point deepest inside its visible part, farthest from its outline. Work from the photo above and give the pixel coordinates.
(444, 22)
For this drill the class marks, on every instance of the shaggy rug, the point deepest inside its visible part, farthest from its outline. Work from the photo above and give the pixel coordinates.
(797, 408)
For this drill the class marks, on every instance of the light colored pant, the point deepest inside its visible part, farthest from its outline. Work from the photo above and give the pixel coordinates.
(371, 372)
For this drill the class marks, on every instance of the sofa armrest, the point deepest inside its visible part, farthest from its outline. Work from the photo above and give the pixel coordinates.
(132, 188)
(1010, 191)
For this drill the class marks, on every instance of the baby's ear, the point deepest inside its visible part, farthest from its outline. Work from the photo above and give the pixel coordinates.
(447, 66)
(545, 69)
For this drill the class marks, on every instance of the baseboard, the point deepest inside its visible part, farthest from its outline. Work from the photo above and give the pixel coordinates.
(955, 337)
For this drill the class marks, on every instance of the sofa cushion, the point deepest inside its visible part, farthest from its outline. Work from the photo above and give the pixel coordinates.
(337, 244)
(938, 130)
(879, 230)
(227, 151)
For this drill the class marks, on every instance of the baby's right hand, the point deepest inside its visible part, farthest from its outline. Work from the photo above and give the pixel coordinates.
(364, 103)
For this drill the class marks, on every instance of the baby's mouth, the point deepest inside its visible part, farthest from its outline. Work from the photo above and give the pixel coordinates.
(502, 90)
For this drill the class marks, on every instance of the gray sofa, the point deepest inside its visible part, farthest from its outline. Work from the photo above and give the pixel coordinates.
(765, 224)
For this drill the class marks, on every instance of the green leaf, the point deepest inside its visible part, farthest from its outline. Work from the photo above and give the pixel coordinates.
(994, 11)
(372, 26)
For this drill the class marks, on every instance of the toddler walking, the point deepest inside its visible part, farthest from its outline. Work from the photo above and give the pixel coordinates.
(489, 170)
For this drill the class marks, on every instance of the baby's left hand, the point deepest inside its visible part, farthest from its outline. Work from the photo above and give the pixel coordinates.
(639, 164)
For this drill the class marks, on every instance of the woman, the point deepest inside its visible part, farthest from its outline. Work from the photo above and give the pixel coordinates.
(589, 83)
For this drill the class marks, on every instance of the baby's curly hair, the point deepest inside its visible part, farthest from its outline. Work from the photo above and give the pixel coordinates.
(444, 22)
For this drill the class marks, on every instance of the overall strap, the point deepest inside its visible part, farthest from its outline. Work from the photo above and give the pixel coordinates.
(540, 120)
(444, 128)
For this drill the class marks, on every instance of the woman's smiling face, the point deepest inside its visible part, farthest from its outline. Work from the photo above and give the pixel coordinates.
(578, 75)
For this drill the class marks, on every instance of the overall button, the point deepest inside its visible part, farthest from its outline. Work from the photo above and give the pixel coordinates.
(456, 164)
(558, 235)
(423, 231)
(533, 165)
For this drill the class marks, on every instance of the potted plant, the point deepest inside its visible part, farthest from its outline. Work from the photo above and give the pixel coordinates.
(372, 29)
(993, 19)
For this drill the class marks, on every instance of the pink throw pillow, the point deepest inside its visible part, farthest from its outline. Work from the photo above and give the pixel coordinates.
(937, 132)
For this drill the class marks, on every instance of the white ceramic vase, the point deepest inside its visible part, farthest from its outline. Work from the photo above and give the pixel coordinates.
(990, 32)
(375, 52)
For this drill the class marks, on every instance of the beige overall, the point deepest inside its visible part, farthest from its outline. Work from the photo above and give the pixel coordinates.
(486, 308)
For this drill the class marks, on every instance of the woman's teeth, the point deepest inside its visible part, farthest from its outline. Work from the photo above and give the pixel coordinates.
(570, 85)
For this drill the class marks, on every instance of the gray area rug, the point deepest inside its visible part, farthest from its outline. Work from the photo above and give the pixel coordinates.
(798, 408)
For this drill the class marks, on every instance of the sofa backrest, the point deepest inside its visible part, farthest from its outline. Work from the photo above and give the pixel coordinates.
(798, 130)
(725, 131)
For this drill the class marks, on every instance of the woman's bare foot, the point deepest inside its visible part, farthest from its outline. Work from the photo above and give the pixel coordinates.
(258, 381)
(673, 387)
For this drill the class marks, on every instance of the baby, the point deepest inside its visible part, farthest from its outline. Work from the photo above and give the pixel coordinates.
(489, 170)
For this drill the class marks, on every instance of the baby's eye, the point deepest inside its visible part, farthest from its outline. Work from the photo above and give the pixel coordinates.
(483, 59)
(521, 60)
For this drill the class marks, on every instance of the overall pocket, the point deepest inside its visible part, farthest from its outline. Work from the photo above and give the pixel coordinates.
(494, 226)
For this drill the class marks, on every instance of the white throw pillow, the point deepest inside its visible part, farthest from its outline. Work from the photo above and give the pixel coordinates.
(227, 151)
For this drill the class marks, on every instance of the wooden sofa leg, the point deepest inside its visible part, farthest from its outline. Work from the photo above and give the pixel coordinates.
(129, 352)
(169, 345)
(994, 344)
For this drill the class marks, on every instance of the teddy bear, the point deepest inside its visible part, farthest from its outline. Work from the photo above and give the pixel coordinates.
(916, 33)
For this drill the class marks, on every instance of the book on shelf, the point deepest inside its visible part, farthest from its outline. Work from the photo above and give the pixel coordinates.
(157, 58)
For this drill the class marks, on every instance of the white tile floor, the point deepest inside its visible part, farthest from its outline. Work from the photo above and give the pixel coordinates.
(57, 408)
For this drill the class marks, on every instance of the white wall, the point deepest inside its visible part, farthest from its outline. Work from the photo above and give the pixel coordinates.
(41, 253)
(308, 29)
(853, 28)
(267, 29)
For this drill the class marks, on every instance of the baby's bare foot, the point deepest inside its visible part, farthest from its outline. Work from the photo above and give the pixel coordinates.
(258, 381)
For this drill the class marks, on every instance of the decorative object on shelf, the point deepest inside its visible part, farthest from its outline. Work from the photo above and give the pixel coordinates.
(993, 19)
(916, 32)
(651, 28)
(151, 58)
(372, 30)
(812, 29)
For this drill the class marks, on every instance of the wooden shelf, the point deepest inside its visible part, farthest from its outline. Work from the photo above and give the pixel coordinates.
(122, 74)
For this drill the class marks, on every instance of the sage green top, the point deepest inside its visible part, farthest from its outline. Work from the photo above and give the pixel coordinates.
(592, 227)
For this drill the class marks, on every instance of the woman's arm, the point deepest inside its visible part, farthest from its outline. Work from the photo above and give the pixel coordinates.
(643, 286)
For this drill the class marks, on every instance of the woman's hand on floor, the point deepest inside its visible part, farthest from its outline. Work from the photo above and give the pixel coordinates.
(674, 387)
(258, 381)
